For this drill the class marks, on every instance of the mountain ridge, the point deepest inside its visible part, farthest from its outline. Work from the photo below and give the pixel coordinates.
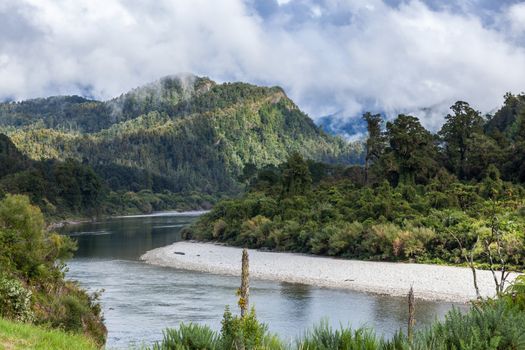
(179, 134)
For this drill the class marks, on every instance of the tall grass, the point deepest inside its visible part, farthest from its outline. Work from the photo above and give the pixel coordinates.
(324, 337)
(189, 336)
(493, 325)
(20, 336)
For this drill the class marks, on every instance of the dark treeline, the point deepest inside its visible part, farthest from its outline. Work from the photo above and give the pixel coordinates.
(70, 188)
(420, 196)
(466, 145)
(67, 186)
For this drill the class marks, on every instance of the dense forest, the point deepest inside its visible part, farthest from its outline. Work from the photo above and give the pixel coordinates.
(456, 196)
(69, 188)
(180, 135)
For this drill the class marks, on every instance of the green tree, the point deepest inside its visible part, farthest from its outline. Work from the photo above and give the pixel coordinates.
(375, 142)
(456, 133)
(413, 149)
(25, 246)
(296, 176)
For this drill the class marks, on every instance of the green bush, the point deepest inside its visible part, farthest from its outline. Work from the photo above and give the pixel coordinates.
(36, 289)
(323, 337)
(246, 333)
(236, 333)
(15, 300)
(496, 325)
(189, 337)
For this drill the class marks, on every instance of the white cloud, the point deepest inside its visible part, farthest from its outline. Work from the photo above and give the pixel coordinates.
(516, 16)
(329, 55)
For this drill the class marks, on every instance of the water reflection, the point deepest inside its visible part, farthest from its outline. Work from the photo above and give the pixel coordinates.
(141, 300)
(126, 238)
(295, 300)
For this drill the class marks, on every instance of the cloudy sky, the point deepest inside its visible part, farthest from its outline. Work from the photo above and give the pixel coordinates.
(331, 57)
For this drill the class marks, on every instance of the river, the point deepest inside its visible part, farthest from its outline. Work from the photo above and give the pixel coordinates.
(141, 300)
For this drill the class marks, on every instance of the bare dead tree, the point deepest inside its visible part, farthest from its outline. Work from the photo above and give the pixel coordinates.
(468, 256)
(503, 269)
(496, 238)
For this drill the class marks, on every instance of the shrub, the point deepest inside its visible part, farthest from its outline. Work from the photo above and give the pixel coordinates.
(236, 333)
(342, 242)
(255, 231)
(246, 333)
(378, 240)
(15, 300)
(323, 337)
(286, 237)
(188, 337)
(495, 325)
(411, 243)
(218, 228)
(36, 257)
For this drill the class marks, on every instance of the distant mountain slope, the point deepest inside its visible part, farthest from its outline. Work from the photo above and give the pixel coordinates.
(181, 133)
(80, 114)
(11, 159)
(349, 128)
(51, 184)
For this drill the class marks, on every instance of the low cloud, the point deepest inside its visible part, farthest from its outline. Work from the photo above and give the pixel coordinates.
(330, 56)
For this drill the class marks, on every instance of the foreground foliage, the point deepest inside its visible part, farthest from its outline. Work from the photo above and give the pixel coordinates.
(32, 284)
(18, 336)
(491, 325)
(236, 333)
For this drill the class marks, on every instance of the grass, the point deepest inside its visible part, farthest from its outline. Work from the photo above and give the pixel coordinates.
(18, 336)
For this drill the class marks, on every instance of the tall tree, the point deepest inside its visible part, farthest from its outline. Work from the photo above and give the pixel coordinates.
(375, 143)
(411, 147)
(458, 129)
(296, 176)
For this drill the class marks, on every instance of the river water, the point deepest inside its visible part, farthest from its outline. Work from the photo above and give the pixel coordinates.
(141, 300)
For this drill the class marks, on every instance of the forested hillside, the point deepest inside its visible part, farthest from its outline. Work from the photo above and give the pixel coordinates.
(55, 186)
(456, 196)
(181, 134)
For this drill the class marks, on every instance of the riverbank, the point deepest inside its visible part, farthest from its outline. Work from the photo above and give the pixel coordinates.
(430, 282)
(70, 222)
(59, 224)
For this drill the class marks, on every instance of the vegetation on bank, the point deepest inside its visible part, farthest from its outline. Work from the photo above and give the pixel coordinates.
(453, 197)
(66, 189)
(20, 336)
(32, 285)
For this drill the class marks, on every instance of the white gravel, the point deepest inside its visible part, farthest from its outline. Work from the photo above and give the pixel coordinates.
(432, 282)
